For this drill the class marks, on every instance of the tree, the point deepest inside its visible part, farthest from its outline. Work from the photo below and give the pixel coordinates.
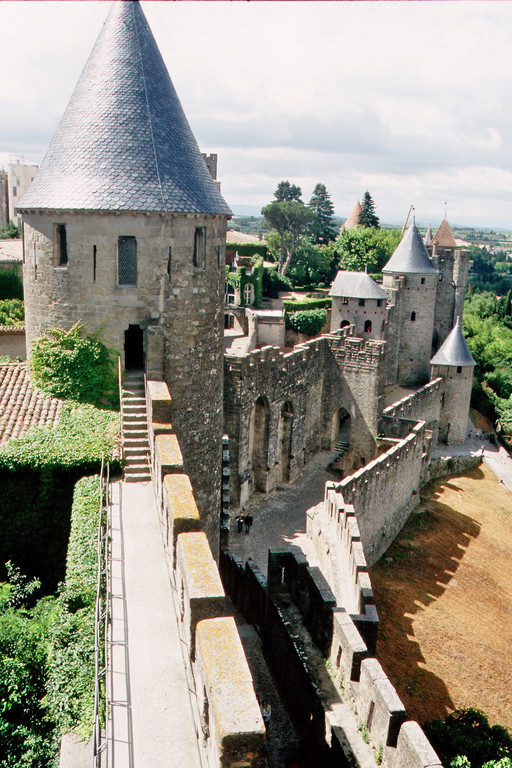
(321, 228)
(466, 732)
(365, 247)
(313, 263)
(286, 192)
(368, 217)
(289, 219)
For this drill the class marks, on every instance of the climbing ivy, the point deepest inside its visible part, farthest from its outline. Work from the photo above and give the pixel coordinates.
(240, 279)
(74, 366)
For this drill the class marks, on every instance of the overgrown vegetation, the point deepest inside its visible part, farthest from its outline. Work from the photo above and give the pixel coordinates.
(73, 366)
(309, 322)
(47, 648)
(487, 327)
(12, 312)
(466, 733)
(38, 472)
(10, 231)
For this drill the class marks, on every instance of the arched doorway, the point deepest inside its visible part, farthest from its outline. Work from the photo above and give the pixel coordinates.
(340, 435)
(134, 348)
(258, 443)
(285, 432)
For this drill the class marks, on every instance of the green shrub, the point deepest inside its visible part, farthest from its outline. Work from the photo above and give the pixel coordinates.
(310, 323)
(11, 286)
(306, 304)
(12, 312)
(467, 732)
(273, 282)
(38, 472)
(71, 366)
(70, 661)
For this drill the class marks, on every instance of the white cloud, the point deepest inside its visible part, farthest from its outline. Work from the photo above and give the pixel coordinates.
(408, 99)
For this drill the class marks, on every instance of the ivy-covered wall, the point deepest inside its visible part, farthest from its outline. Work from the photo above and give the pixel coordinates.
(240, 279)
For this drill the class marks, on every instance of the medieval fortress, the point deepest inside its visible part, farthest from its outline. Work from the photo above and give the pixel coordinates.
(125, 229)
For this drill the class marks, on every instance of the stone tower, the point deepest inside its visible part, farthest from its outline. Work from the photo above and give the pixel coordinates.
(124, 230)
(455, 364)
(410, 280)
(452, 263)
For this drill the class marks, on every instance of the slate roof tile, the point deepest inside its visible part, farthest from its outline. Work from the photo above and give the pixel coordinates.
(124, 142)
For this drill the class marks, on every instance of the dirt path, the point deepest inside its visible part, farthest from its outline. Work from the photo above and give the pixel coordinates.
(444, 595)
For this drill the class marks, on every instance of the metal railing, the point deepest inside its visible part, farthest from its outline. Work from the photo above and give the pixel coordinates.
(120, 377)
(100, 737)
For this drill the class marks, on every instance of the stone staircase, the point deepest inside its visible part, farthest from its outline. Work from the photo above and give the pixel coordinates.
(341, 447)
(135, 429)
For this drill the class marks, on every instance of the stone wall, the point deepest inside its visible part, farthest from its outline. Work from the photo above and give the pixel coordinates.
(422, 405)
(280, 408)
(455, 398)
(12, 341)
(171, 293)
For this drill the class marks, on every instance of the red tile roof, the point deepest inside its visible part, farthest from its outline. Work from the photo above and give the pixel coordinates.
(22, 406)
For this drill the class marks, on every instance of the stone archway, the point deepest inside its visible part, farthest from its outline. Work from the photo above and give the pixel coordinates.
(258, 443)
(340, 430)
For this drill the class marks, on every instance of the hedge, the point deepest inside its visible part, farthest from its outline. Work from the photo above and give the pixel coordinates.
(310, 323)
(306, 304)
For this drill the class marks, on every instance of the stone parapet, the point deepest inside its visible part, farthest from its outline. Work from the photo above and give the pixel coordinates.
(168, 459)
(179, 513)
(414, 749)
(159, 402)
(198, 584)
(378, 705)
(232, 724)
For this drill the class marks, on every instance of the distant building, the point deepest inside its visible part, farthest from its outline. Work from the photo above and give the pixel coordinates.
(353, 219)
(19, 178)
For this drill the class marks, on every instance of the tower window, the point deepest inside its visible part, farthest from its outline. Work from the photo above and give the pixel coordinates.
(413, 317)
(440, 276)
(345, 300)
(379, 302)
(60, 245)
(199, 258)
(423, 281)
(368, 326)
(127, 260)
(361, 302)
(94, 263)
(169, 263)
(459, 369)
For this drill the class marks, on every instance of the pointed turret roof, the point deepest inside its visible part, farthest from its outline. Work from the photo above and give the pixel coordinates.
(411, 256)
(356, 285)
(352, 220)
(124, 143)
(428, 237)
(444, 235)
(454, 350)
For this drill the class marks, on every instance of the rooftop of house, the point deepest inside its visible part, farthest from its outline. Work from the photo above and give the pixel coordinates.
(21, 405)
(411, 256)
(241, 238)
(11, 250)
(454, 350)
(358, 285)
(124, 143)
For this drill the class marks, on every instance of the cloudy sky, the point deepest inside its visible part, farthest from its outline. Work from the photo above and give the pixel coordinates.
(411, 100)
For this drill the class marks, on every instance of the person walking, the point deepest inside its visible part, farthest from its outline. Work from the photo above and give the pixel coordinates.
(248, 523)
(240, 522)
(266, 712)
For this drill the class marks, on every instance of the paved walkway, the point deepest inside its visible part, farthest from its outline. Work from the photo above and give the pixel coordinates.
(149, 681)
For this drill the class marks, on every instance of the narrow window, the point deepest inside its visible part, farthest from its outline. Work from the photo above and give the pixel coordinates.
(345, 300)
(338, 657)
(423, 281)
(361, 302)
(221, 256)
(94, 263)
(459, 369)
(248, 294)
(379, 302)
(199, 258)
(169, 263)
(440, 276)
(60, 245)
(127, 260)
(368, 326)
(413, 317)
(14, 191)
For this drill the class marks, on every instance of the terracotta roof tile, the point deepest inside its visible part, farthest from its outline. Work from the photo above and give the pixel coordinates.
(22, 406)
(444, 235)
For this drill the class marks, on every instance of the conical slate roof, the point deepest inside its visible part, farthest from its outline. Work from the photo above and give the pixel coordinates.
(454, 350)
(124, 143)
(411, 256)
(428, 237)
(444, 235)
(356, 285)
(353, 219)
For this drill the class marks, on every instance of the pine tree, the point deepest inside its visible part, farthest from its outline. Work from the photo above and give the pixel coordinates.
(321, 228)
(368, 217)
(287, 192)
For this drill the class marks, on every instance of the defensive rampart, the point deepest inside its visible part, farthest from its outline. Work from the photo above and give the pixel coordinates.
(279, 409)
(224, 704)
(422, 405)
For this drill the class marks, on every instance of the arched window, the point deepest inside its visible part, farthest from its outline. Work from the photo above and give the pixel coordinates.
(344, 323)
(368, 326)
(413, 316)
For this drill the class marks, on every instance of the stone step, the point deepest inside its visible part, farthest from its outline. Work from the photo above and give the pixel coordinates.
(132, 440)
(134, 418)
(132, 402)
(142, 477)
(136, 450)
